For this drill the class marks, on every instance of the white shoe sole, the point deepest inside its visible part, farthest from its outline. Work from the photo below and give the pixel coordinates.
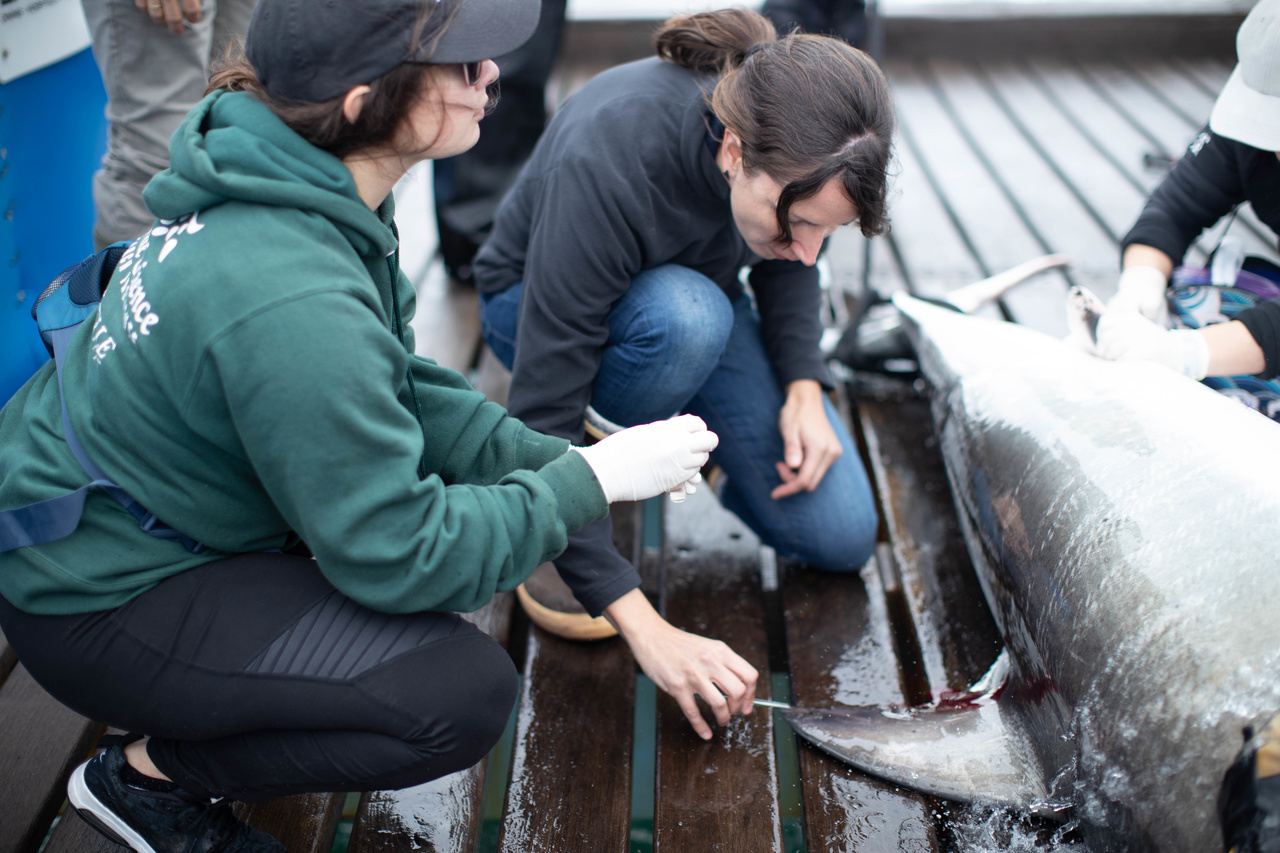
(101, 818)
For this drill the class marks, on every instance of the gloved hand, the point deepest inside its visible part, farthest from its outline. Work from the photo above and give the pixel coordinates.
(645, 461)
(682, 491)
(1142, 290)
(1126, 336)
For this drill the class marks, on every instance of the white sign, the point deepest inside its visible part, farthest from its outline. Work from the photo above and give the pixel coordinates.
(36, 33)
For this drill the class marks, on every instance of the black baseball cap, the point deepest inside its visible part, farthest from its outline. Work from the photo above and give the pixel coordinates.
(314, 50)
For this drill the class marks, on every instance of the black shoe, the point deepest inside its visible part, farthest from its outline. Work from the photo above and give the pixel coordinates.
(156, 821)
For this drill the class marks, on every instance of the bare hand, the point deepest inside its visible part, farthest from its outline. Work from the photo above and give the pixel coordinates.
(171, 12)
(810, 445)
(683, 665)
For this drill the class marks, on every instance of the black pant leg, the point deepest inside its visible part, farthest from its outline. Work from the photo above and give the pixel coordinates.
(255, 678)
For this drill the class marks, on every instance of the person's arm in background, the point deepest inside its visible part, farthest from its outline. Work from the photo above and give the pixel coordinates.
(577, 267)
(1203, 186)
(1221, 349)
(171, 13)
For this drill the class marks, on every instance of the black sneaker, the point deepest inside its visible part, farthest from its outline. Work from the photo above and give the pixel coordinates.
(155, 821)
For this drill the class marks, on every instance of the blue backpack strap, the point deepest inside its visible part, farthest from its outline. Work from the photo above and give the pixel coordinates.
(68, 301)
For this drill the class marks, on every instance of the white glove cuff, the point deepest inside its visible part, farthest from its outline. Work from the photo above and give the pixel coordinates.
(1195, 353)
(1143, 287)
(1144, 278)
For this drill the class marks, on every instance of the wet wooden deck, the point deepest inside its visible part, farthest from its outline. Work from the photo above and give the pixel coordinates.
(1002, 156)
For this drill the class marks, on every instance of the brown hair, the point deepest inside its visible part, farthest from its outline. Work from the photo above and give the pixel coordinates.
(807, 108)
(322, 123)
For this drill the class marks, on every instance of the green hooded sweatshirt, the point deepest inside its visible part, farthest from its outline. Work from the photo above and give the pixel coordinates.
(245, 379)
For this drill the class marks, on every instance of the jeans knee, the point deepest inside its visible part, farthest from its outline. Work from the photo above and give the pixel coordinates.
(683, 312)
(845, 547)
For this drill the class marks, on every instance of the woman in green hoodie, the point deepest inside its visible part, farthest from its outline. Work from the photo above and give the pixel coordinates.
(249, 377)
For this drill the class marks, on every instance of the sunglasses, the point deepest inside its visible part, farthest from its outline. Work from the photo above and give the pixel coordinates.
(471, 72)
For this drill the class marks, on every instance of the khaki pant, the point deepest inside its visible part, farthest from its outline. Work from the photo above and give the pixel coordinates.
(153, 78)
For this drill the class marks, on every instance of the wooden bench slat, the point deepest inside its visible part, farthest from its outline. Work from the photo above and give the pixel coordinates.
(305, 823)
(570, 787)
(41, 741)
(841, 653)
(957, 636)
(722, 794)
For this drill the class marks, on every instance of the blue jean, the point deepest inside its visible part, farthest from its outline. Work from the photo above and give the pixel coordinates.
(678, 344)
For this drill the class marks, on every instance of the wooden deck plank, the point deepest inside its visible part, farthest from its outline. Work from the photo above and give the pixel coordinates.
(1100, 112)
(840, 651)
(73, 835)
(1056, 219)
(721, 794)
(1113, 132)
(1166, 132)
(1086, 170)
(933, 247)
(958, 638)
(570, 787)
(1000, 238)
(1210, 74)
(447, 322)
(441, 816)
(1174, 89)
(305, 823)
(41, 742)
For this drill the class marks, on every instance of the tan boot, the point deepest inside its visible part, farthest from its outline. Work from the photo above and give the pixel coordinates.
(551, 606)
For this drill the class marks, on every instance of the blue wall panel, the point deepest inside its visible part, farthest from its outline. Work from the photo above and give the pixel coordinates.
(52, 137)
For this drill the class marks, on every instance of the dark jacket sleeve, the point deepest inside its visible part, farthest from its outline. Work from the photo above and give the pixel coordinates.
(790, 304)
(580, 260)
(1263, 322)
(1203, 186)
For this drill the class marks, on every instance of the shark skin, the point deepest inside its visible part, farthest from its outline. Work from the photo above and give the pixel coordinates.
(1121, 519)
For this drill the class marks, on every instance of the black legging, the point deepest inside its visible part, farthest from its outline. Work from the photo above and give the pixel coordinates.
(255, 679)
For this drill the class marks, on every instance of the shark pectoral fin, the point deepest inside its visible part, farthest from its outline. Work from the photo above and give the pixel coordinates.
(973, 296)
(966, 754)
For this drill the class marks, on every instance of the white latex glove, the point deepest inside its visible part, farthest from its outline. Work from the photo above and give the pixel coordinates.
(682, 491)
(645, 461)
(1126, 336)
(1142, 290)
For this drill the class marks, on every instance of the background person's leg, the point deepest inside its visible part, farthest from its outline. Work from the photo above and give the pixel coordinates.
(255, 678)
(666, 335)
(153, 78)
(469, 187)
(832, 527)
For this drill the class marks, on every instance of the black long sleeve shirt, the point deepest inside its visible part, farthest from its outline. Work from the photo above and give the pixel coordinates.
(623, 180)
(1216, 175)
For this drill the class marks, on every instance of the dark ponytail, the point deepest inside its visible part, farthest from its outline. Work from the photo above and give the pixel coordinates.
(807, 108)
(712, 42)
